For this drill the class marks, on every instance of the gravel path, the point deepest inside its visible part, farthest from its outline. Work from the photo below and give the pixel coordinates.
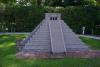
(89, 36)
(16, 33)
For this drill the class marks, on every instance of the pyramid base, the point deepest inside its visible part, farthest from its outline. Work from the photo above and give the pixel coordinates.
(79, 54)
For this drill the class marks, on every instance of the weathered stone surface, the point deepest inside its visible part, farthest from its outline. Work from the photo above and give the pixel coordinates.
(52, 35)
(79, 54)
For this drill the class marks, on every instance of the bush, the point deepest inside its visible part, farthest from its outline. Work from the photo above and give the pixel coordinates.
(22, 19)
(78, 17)
(26, 18)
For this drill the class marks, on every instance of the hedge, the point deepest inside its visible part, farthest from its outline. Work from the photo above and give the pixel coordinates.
(26, 18)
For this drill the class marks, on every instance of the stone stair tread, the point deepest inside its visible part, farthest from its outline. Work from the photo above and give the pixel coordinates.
(53, 36)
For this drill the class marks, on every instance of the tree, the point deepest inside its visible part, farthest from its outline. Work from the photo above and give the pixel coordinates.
(7, 1)
(53, 3)
(80, 2)
(89, 2)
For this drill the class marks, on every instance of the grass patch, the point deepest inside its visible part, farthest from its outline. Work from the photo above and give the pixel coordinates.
(92, 43)
(8, 58)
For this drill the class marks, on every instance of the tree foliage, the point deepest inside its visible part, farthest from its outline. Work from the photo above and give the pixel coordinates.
(53, 3)
(70, 2)
(7, 1)
(24, 18)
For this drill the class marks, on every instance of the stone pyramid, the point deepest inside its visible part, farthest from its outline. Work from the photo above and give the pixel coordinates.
(54, 36)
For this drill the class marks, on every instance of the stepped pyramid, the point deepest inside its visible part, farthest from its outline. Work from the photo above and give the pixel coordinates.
(52, 35)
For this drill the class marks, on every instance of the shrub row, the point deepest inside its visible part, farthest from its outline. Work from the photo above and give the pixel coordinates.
(25, 19)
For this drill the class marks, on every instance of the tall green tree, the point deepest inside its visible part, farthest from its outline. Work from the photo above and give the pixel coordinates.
(7, 1)
(90, 2)
(53, 3)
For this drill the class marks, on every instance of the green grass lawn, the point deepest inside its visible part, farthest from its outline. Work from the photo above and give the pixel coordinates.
(92, 43)
(8, 56)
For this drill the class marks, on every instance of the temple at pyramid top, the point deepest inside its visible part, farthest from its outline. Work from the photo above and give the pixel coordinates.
(52, 35)
(53, 16)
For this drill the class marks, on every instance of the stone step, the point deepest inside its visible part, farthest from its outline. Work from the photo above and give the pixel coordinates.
(43, 31)
(77, 49)
(73, 40)
(45, 24)
(69, 34)
(40, 39)
(37, 50)
(66, 30)
(64, 24)
(40, 36)
(38, 43)
(65, 27)
(37, 47)
(75, 43)
(76, 46)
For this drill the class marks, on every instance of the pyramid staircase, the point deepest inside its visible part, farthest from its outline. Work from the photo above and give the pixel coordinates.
(52, 35)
